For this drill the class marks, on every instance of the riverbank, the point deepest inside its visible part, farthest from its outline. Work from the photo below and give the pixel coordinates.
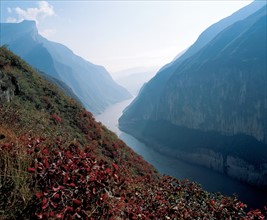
(210, 180)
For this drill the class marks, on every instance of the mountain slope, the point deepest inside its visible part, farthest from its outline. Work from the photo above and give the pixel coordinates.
(153, 89)
(212, 111)
(58, 163)
(63, 86)
(91, 83)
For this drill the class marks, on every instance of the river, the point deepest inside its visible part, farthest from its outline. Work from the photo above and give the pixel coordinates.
(210, 180)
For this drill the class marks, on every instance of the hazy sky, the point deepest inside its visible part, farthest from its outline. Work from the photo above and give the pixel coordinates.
(122, 34)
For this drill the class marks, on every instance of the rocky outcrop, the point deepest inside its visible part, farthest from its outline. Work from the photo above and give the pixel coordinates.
(8, 88)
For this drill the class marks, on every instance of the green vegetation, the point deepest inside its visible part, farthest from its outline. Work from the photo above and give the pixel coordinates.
(58, 163)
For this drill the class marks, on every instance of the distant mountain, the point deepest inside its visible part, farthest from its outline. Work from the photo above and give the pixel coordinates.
(211, 107)
(133, 79)
(91, 83)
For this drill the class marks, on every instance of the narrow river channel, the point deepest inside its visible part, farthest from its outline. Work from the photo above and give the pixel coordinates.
(210, 180)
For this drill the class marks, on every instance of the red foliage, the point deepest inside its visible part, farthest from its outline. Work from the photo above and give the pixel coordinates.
(56, 118)
(31, 170)
(78, 182)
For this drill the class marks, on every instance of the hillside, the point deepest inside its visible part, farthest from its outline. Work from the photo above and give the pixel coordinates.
(91, 83)
(212, 110)
(58, 163)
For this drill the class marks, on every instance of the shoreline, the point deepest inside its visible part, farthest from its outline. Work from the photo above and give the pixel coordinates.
(231, 166)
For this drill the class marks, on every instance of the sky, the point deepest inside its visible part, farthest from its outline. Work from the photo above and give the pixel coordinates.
(122, 34)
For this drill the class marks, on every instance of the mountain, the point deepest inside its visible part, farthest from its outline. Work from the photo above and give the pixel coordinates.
(133, 79)
(151, 93)
(91, 83)
(212, 108)
(57, 162)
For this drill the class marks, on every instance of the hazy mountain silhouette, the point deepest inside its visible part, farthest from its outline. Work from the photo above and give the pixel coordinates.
(133, 79)
(91, 83)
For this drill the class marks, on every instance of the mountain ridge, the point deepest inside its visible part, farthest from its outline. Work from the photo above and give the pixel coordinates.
(91, 83)
(166, 71)
(219, 92)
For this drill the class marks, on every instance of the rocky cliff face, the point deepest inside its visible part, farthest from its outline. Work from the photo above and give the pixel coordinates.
(216, 99)
(241, 167)
(235, 105)
(8, 88)
(223, 87)
(232, 166)
(146, 102)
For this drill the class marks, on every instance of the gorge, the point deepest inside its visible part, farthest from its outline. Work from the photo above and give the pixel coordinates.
(170, 165)
(191, 144)
(209, 105)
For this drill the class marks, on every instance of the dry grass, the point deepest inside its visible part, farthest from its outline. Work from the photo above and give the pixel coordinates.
(15, 188)
(7, 133)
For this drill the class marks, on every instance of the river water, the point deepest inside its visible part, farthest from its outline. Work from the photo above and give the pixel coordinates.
(210, 180)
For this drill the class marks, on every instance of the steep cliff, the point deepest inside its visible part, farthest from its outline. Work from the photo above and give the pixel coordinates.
(216, 99)
(144, 104)
(223, 87)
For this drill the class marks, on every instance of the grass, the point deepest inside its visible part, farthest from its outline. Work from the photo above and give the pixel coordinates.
(15, 181)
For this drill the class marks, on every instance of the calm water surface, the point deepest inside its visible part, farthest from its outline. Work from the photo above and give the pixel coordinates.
(210, 180)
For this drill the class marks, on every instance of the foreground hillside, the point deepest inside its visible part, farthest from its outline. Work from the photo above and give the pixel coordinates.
(58, 163)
